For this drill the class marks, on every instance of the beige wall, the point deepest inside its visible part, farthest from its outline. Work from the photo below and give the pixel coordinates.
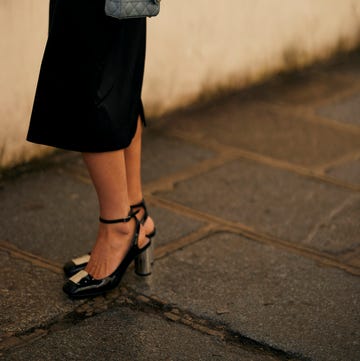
(22, 36)
(192, 48)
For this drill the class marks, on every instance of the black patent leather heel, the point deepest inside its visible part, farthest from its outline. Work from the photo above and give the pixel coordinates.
(82, 284)
(79, 263)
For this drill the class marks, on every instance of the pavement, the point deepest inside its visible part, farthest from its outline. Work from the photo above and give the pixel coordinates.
(256, 197)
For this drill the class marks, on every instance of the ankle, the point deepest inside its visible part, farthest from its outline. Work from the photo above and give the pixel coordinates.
(117, 229)
(140, 212)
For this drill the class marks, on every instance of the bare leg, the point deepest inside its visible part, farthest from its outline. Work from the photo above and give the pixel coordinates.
(133, 174)
(108, 173)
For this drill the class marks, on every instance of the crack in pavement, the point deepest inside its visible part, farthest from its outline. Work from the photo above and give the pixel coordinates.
(125, 296)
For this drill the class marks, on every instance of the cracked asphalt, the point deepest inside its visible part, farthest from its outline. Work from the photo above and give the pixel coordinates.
(256, 197)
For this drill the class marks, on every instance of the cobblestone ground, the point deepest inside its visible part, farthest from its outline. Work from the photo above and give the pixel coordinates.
(256, 196)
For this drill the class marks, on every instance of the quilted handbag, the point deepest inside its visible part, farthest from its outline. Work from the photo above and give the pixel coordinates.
(125, 9)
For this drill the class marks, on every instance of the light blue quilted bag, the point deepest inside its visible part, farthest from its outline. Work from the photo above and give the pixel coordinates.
(125, 9)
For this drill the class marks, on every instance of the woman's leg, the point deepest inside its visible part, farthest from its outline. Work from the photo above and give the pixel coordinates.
(133, 175)
(108, 173)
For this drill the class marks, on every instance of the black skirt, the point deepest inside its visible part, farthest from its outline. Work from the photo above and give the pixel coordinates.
(88, 96)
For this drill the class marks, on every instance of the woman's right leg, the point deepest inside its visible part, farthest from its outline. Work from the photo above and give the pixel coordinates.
(133, 173)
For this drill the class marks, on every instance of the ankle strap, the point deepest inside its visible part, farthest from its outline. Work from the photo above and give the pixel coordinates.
(110, 221)
(142, 205)
(119, 220)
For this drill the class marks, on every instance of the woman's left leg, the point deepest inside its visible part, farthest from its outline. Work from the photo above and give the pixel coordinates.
(133, 175)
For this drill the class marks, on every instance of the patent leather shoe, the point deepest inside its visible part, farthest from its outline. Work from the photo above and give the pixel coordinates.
(82, 284)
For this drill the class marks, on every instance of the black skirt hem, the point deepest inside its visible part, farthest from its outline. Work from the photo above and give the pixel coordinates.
(87, 149)
(76, 148)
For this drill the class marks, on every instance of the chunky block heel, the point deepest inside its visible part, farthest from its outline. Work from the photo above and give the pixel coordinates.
(143, 262)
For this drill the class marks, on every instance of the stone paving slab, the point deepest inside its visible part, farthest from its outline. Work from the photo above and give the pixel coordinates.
(264, 293)
(346, 110)
(348, 172)
(275, 201)
(162, 156)
(53, 215)
(30, 296)
(340, 233)
(171, 226)
(50, 214)
(123, 334)
(268, 130)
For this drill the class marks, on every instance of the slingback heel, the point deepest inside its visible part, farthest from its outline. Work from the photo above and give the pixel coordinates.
(143, 219)
(79, 263)
(82, 284)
